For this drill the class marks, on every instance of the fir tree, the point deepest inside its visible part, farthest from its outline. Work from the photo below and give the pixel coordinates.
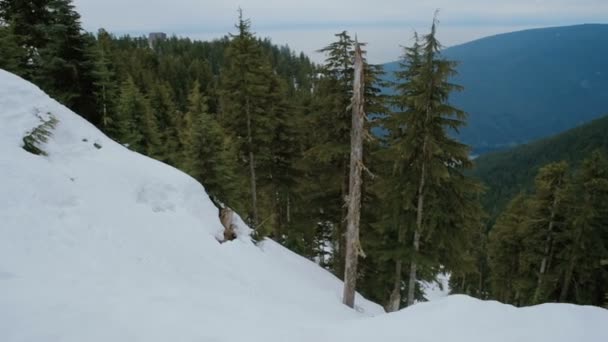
(136, 125)
(585, 241)
(208, 155)
(245, 87)
(11, 53)
(548, 220)
(426, 158)
(106, 88)
(512, 280)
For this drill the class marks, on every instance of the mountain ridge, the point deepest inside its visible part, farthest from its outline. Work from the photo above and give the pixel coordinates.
(525, 85)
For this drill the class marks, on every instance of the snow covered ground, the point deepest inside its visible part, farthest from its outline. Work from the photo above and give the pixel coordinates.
(98, 243)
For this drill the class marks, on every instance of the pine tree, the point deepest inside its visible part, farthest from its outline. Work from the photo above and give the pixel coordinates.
(585, 241)
(426, 158)
(208, 155)
(11, 53)
(106, 88)
(65, 68)
(548, 208)
(55, 53)
(245, 85)
(27, 20)
(512, 281)
(136, 125)
(167, 117)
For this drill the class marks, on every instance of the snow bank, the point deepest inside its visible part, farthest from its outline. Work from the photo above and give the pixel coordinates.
(103, 244)
(462, 318)
(98, 243)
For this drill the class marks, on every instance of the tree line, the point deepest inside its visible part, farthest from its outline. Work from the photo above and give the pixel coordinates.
(267, 132)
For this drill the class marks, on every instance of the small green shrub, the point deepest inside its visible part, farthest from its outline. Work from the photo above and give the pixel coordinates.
(40, 135)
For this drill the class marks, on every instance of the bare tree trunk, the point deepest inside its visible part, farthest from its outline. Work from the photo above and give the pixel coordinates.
(394, 301)
(104, 107)
(288, 210)
(547, 252)
(570, 270)
(354, 197)
(254, 195)
(411, 286)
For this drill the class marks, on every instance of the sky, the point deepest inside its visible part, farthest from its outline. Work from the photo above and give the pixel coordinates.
(308, 25)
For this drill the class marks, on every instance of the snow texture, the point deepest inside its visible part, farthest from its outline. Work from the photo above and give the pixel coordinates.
(99, 243)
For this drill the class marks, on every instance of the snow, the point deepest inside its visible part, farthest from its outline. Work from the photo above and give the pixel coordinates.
(437, 289)
(103, 244)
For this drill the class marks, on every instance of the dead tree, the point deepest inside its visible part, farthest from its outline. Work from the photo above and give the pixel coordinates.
(353, 202)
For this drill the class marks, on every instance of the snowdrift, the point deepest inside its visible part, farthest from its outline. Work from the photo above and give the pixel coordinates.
(98, 243)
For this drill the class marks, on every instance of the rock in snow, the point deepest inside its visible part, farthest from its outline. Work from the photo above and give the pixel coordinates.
(99, 243)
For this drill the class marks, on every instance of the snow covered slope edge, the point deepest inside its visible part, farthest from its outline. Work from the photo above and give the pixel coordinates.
(99, 243)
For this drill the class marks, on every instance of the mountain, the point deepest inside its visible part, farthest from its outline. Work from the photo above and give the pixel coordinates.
(526, 85)
(507, 173)
(99, 243)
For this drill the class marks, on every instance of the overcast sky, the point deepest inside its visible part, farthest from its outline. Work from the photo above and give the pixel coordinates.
(308, 25)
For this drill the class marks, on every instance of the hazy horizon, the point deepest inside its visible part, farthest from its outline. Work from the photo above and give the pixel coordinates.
(385, 25)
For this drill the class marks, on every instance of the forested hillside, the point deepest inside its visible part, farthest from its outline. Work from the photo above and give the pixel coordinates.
(268, 134)
(526, 85)
(507, 173)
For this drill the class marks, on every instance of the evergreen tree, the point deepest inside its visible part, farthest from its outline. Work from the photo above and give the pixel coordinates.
(512, 280)
(11, 53)
(547, 220)
(168, 119)
(585, 241)
(245, 85)
(427, 160)
(27, 20)
(106, 88)
(136, 125)
(208, 154)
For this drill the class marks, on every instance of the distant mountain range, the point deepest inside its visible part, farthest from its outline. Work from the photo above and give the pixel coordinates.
(526, 85)
(506, 173)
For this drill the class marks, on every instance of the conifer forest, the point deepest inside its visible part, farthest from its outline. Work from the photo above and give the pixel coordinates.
(269, 133)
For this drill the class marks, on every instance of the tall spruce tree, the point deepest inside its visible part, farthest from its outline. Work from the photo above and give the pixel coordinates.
(106, 86)
(585, 241)
(56, 53)
(245, 82)
(548, 209)
(207, 154)
(136, 124)
(11, 53)
(512, 279)
(427, 159)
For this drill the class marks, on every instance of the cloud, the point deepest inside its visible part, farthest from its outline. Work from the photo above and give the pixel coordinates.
(309, 25)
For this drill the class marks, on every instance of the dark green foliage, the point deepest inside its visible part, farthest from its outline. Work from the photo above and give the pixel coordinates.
(430, 210)
(549, 246)
(11, 53)
(510, 172)
(105, 80)
(208, 154)
(52, 51)
(136, 124)
(327, 148)
(40, 135)
(513, 278)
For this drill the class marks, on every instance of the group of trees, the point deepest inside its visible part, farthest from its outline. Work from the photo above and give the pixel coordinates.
(268, 133)
(552, 245)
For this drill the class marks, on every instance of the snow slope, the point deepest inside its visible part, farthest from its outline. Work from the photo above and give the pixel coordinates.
(103, 244)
